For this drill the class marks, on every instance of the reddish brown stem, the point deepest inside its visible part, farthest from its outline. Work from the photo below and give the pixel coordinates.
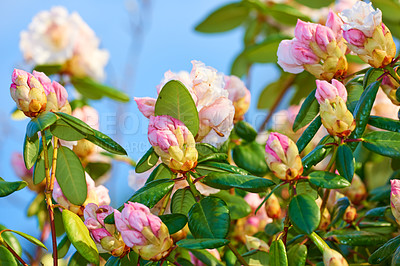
(15, 254)
(353, 140)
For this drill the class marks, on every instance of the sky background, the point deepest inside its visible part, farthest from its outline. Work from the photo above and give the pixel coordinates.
(139, 56)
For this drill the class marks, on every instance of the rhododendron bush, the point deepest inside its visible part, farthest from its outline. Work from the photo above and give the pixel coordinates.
(317, 184)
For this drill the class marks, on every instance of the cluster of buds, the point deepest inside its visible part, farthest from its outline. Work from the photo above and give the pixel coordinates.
(173, 142)
(335, 116)
(283, 157)
(95, 194)
(105, 236)
(316, 48)
(367, 36)
(142, 231)
(395, 199)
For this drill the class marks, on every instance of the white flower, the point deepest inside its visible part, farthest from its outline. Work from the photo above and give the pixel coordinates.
(361, 16)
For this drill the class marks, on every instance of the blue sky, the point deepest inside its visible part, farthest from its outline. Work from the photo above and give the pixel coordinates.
(168, 42)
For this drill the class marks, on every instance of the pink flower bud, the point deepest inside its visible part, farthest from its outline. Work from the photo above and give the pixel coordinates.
(305, 31)
(335, 24)
(239, 95)
(197, 262)
(44, 80)
(333, 258)
(144, 232)
(395, 198)
(286, 60)
(173, 142)
(329, 91)
(146, 105)
(324, 36)
(283, 157)
(303, 53)
(354, 37)
(87, 114)
(17, 163)
(28, 93)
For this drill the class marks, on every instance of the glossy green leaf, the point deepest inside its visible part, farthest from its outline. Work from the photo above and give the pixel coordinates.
(357, 238)
(77, 260)
(251, 157)
(93, 90)
(79, 236)
(255, 258)
(315, 156)
(49, 69)
(204, 149)
(71, 176)
(31, 150)
(205, 257)
(308, 111)
(339, 210)
(6, 257)
(385, 251)
(328, 180)
(207, 167)
(160, 172)
(245, 131)
(309, 134)
(39, 123)
(105, 142)
(215, 157)
(76, 123)
(224, 18)
(345, 162)
(376, 212)
(304, 213)
(30, 238)
(286, 14)
(264, 52)
(148, 160)
(182, 201)
(383, 143)
(277, 254)
(11, 240)
(246, 182)
(202, 243)
(274, 228)
(174, 222)
(113, 261)
(175, 100)
(297, 255)
(354, 91)
(238, 207)
(97, 169)
(209, 218)
(7, 188)
(64, 131)
(384, 123)
(315, 3)
(39, 173)
(63, 247)
(396, 257)
(371, 76)
(304, 187)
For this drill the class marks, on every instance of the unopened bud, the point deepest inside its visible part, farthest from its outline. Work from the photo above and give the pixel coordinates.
(350, 214)
(272, 207)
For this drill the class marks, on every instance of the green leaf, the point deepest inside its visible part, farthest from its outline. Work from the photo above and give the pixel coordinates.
(238, 207)
(297, 255)
(396, 258)
(371, 76)
(264, 52)
(76, 123)
(39, 123)
(29, 238)
(6, 257)
(215, 157)
(64, 131)
(251, 157)
(113, 261)
(105, 142)
(71, 176)
(308, 134)
(286, 14)
(384, 123)
(328, 180)
(97, 169)
(357, 238)
(273, 228)
(11, 240)
(63, 247)
(31, 150)
(255, 258)
(206, 257)
(304, 213)
(354, 91)
(39, 171)
(389, 9)
(315, 156)
(148, 160)
(174, 222)
(245, 131)
(308, 111)
(160, 172)
(363, 109)
(376, 212)
(175, 100)
(77, 260)
(182, 201)
(205, 149)
(207, 167)
(79, 236)
(345, 162)
(306, 188)
(209, 218)
(224, 18)
(277, 254)
(49, 69)
(149, 195)
(7, 188)
(383, 143)
(202, 243)
(246, 182)
(385, 251)
(339, 210)
(317, 4)
(93, 90)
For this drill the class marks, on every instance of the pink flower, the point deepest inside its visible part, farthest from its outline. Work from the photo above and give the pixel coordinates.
(329, 91)
(146, 105)
(324, 36)
(355, 37)
(173, 142)
(17, 163)
(395, 199)
(286, 59)
(303, 53)
(44, 80)
(305, 31)
(239, 95)
(335, 24)
(144, 232)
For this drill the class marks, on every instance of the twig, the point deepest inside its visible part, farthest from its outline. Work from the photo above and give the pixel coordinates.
(238, 256)
(15, 254)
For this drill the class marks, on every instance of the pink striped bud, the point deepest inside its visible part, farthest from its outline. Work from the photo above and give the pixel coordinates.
(335, 24)
(395, 199)
(329, 91)
(354, 37)
(173, 142)
(106, 237)
(28, 93)
(283, 157)
(239, 95)
(305, 31)
(146, 105)
(144, 232)
(333, 258)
